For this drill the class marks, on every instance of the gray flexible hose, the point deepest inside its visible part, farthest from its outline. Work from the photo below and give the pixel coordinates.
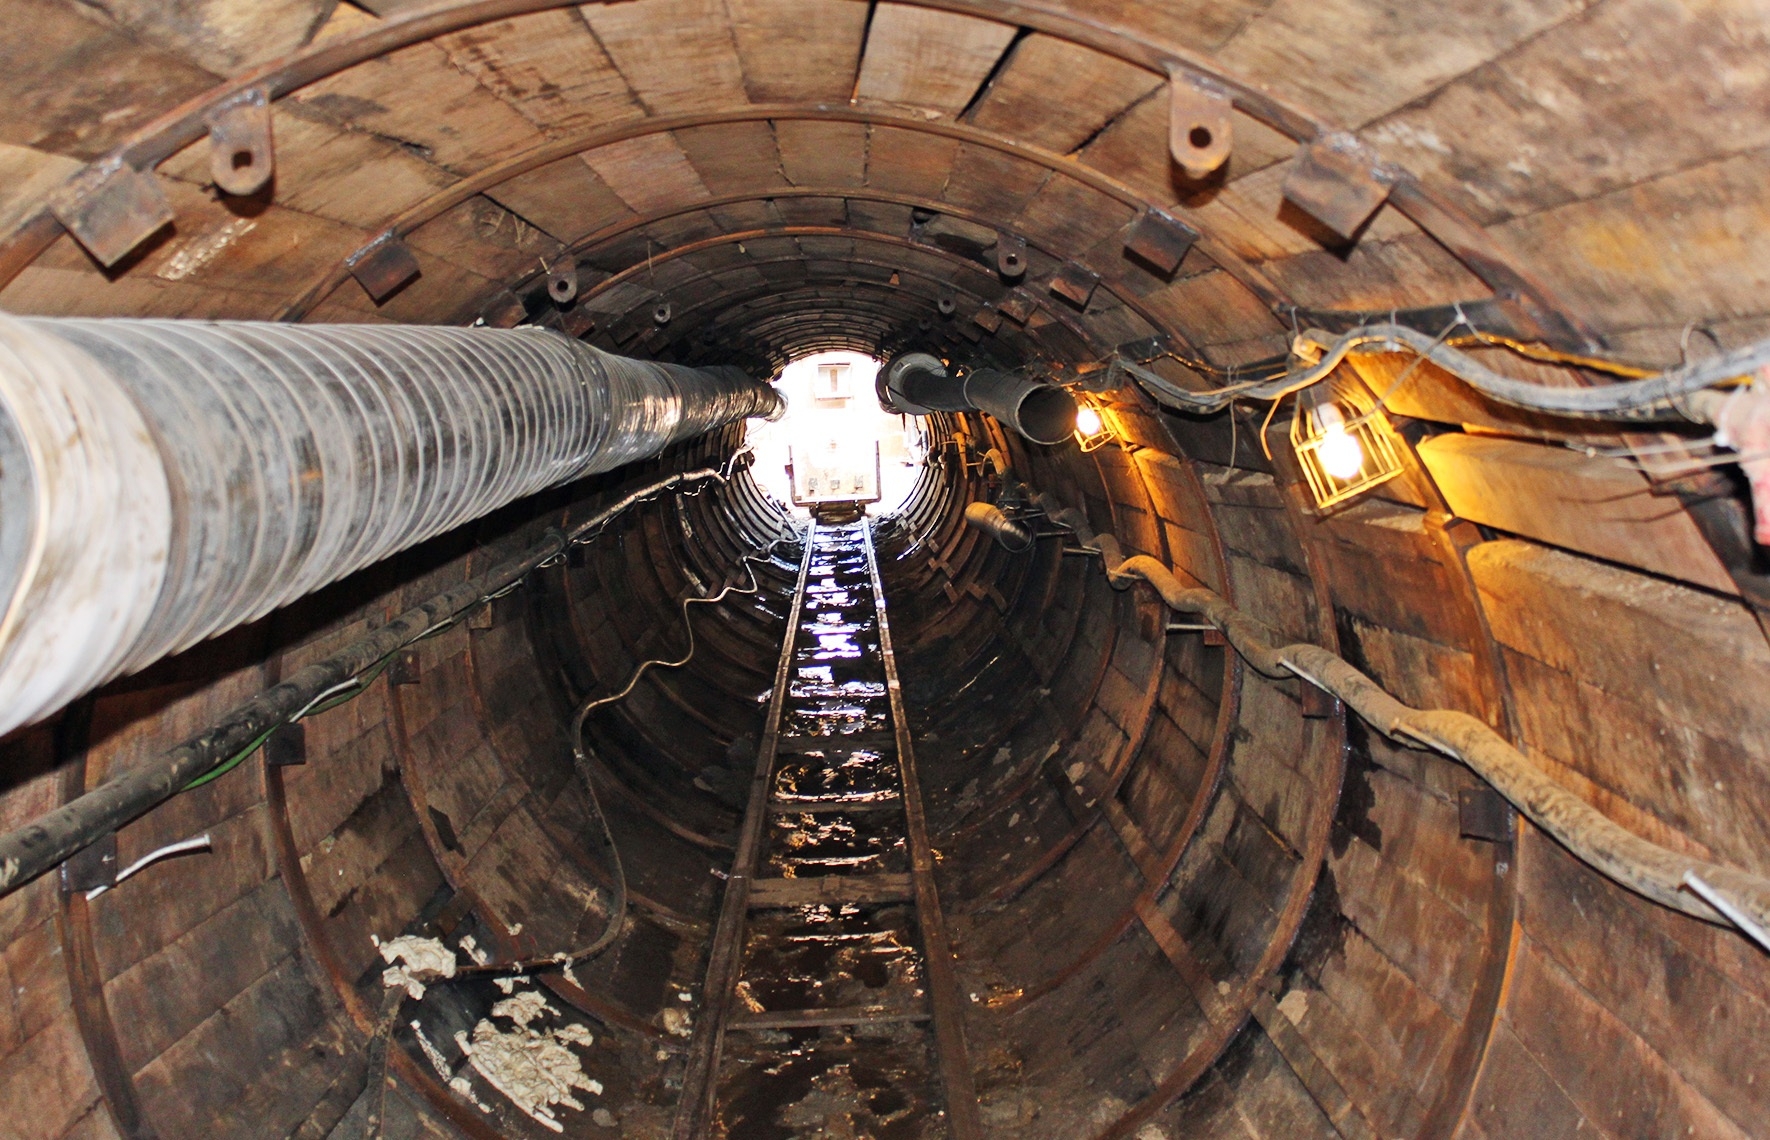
(170, 480)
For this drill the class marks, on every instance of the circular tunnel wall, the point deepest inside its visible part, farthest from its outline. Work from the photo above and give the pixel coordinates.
(1185, 897)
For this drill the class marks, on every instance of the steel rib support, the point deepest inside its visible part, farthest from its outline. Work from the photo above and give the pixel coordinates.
(700, 1083)
(951, 1051)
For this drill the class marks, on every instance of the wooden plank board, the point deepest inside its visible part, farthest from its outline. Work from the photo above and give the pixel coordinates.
(26, 175)
(349, 176)
(1058, 95)
(814, 1018)
(419, 95)
(1562, 117)
(734, 158)
(482, 236)
(1685, 247)
(1623, 952)
(549, 67)
(908, 162)
(649, 173)
(1600, 507)
(1612, 1075)
(68, 64)
(222, 36)
(1690, 657)
(1351, 62)
(677, 55)
(921, 57)
(799, 51)
(822, 154)
(566, 198)
(834, 890)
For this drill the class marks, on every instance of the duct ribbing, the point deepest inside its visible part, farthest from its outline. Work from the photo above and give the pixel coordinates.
(178, 478)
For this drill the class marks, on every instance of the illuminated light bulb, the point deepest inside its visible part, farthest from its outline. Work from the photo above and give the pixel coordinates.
(1340, 454)
(1087, 421)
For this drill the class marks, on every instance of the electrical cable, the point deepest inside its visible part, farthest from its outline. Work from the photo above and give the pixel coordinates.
(1656, 873)
(354, 686)
(581, 761)
(1642, 396)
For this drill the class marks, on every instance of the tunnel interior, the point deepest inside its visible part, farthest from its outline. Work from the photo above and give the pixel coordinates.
(1185, 893)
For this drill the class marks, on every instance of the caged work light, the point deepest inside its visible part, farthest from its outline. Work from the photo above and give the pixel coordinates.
(1342, 442)
(1093, 427)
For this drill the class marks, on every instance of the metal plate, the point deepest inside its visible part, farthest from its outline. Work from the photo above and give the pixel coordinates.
(1075, 284)
(1160, 240)
(1336, 180)
(110, 208)
(382, 267)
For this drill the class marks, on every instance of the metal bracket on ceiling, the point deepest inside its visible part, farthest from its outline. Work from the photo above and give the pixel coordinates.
(383, 266)
(562, 279)
(1200, 130)
(1010, 255)
(1075, 284)
(241, 156)
(1338, 181)
(1160, 240)
(111, 208)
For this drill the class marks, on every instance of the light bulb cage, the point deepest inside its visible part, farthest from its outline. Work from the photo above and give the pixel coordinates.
(1313, 426)
(1099, 437)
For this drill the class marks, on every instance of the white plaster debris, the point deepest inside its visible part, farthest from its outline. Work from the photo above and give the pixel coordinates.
(470, 947)
(523, 1008)
(464, 1088)
(421, 960)
(678, 1023)
(509, 984)
(431, 1053)
(531, 1067)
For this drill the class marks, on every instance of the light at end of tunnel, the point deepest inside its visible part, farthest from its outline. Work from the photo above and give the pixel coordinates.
(1342, 443)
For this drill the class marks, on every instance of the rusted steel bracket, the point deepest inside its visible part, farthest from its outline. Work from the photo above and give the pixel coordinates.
(1338, 181)
(111, 208)
(241, 156)
(1010, 256)
(562, 279)
(1200, 130)
(382, 266)
(1075, 284)
(1160, 240)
